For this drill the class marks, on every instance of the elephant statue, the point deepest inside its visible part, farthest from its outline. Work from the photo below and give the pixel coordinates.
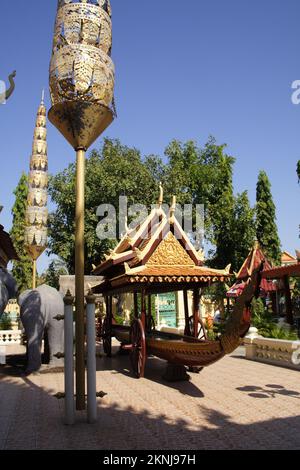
(38, 308)
(8, 289)
(7, 94)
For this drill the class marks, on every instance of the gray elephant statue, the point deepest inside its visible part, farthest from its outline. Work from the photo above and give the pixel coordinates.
(38, 309)
(8, 289)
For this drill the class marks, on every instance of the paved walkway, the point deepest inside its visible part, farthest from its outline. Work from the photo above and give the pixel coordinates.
(234, 404)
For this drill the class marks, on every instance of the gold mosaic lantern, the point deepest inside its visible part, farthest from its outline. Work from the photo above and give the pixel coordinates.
(82, 89)
(81, 71)
(37, 212)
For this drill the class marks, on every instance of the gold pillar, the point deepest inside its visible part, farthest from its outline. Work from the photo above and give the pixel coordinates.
(34, 274)
(79, 279)
(82, 89)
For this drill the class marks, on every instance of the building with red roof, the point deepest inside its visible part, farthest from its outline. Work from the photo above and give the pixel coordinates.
(253, 261)
(7, 250)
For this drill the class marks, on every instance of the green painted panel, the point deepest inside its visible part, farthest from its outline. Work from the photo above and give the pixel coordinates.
(167, 310)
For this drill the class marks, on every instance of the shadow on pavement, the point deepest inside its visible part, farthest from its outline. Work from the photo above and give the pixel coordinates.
(31, 418)
(270, 391)
(155, 368)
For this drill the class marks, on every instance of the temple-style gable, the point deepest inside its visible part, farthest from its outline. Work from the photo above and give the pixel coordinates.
(170, 253)
(252, 262)
(158, 251)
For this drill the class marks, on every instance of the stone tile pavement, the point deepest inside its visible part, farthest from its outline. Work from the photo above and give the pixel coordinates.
(234, 404)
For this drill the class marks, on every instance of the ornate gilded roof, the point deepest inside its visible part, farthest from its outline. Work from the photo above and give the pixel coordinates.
(158, 251)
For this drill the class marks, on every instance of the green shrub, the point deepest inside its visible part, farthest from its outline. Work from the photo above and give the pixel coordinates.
(266, 324)
(212, 334)
(5, 322)
(262, 319)
(281, 333)
(119, 319)
(258, 307)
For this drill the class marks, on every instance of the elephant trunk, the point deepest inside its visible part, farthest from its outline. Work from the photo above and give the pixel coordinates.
(11, 89)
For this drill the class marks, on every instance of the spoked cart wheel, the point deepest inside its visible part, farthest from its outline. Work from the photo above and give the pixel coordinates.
(138, 348)
(201, 331)
(107, 336)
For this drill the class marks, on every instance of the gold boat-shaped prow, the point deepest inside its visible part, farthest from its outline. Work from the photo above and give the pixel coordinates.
(176, 349)
(182, 350)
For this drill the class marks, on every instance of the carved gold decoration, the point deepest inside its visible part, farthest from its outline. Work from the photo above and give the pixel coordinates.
(170, 253)
(38, 179)
(39, 162)
(37, 212)
(37, 216)
(37, 197)
(82, 74)
(36, 236)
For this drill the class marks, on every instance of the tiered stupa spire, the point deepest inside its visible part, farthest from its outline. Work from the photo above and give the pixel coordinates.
(37, 212)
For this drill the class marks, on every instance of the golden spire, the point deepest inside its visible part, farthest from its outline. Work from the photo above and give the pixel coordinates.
(161, 195)
(173, 207)
(37, 213)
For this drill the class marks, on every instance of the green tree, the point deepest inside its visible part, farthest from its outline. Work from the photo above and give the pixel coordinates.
(266, 227)
(22, 270)
(298, 173)
(204, 176)
(115, 170)
(221, 213)
(195, 175)
(56, 269)
(243, 229)
(5, 322)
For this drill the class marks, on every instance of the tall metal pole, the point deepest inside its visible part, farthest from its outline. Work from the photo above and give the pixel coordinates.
(79, 280)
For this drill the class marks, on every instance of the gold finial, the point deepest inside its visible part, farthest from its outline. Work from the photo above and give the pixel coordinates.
(161, 195)
(173, 207)
(43, 97)
(201, 254)
(126, 225)
(256, 244)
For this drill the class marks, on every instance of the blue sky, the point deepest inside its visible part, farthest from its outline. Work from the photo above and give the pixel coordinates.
(185, 70)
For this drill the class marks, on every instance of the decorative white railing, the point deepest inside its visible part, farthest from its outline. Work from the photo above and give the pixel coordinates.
(11, 337)
(168, 329)
(272, 351)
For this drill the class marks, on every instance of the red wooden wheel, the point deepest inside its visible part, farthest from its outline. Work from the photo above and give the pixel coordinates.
(201, 331)
(106, 336)
(138, 351)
